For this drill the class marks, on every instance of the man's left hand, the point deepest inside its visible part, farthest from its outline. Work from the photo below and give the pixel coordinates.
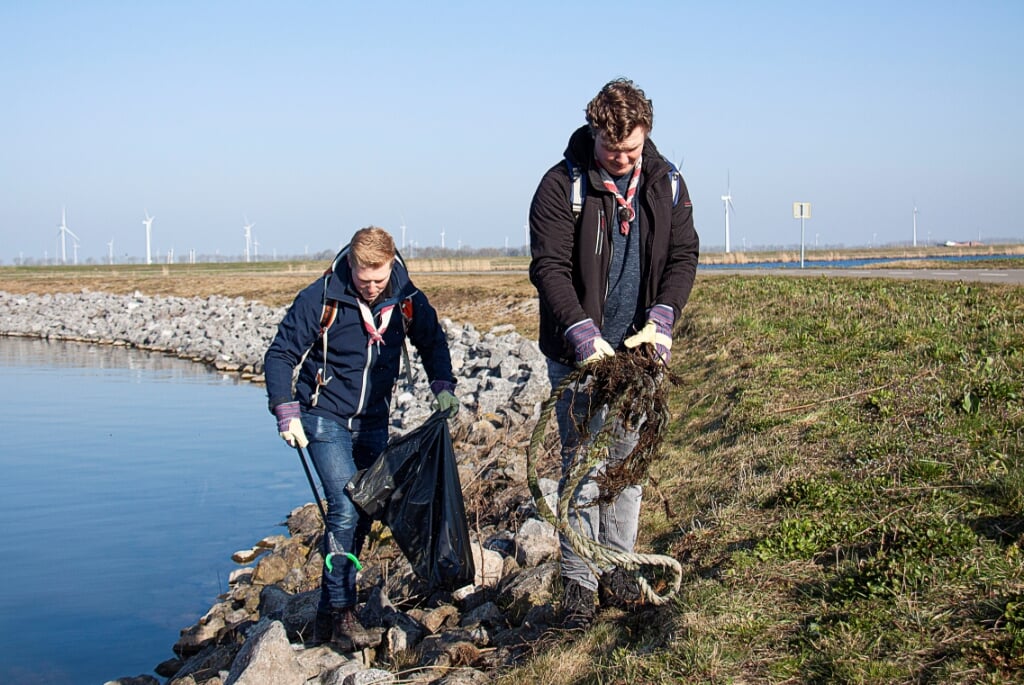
(447, 402)
(657, 331)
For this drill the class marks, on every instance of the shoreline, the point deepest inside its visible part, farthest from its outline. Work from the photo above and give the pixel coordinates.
(270, 603)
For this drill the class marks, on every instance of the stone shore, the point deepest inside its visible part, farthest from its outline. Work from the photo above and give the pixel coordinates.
(260, 630)
(498, 372)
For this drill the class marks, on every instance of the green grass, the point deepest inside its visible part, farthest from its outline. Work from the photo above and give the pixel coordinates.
(844, 482)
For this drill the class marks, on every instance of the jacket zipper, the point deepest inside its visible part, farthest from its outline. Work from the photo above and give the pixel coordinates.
(611, 256)
(601, 224)
(362, 386)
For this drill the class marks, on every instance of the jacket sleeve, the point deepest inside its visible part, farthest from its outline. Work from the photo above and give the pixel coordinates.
(296, 333)
(552, 238)
(430, 340)
(683, 249)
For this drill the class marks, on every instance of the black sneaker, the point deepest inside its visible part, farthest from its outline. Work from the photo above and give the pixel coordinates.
(618, 588)
(577, 606)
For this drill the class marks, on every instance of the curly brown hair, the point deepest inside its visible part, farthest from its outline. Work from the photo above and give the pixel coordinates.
(619, 108)
(371, 247)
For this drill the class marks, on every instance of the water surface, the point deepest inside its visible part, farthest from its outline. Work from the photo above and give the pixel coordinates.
(129, 479)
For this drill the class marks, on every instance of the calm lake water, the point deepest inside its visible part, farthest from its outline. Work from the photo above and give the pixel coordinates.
(811, 262)
(129, 479)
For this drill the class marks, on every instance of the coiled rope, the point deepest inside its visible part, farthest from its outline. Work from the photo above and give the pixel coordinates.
(629, 385)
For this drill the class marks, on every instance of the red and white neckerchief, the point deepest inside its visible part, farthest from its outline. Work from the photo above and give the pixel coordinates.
(626, 212)
(375, 332)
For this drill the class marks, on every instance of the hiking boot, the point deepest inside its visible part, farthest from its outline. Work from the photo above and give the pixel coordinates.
(323, 627)
(577, 606)
(349, 633)
(619, 588)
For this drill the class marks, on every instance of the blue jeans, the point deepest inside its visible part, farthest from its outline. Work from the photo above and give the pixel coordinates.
(337, 454)
(614, 524)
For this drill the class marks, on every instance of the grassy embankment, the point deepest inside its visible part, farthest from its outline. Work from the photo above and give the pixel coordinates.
(843, 480)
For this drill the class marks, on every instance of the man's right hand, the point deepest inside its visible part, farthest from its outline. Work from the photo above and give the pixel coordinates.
(586, 339)
(289, 424)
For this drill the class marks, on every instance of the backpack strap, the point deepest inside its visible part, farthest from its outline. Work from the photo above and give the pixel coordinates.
(673, 178)
(406, 307)
(328, 313)
(577, 190)
(327, 316)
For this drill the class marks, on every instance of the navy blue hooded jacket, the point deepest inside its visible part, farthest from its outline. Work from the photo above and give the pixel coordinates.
(362, 376)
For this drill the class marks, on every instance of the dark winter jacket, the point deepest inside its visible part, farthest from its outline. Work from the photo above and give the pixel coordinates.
(570, 258)
(362, 376)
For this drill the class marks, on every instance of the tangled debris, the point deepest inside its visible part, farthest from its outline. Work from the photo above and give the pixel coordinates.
(631, 385)
(628, 390)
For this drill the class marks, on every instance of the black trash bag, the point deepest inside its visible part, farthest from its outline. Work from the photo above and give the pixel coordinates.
(414, 488)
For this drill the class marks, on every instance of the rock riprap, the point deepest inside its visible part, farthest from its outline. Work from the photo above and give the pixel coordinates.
(259, 631)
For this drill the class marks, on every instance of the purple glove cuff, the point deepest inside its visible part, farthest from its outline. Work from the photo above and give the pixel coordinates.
(663, 317)
(285, 412)
(582, 337)
(438, 387)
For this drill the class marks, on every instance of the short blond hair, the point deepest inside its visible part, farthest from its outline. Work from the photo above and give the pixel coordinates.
(371, 247)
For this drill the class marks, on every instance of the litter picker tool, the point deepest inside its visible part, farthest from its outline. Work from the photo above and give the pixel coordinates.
(331, 546)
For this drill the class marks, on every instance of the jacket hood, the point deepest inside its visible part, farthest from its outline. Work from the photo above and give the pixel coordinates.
(580, 151)
(340, 286)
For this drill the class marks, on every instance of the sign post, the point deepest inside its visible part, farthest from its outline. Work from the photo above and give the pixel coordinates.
(802, 211)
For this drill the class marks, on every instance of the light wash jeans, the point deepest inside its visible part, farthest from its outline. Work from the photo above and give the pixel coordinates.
(613, 524)
(337, 454)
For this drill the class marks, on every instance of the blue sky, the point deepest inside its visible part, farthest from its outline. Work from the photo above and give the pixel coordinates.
(313, 119)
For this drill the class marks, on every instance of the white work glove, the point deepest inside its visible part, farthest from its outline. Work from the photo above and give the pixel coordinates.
(586, 340)
(657, 331)
(289, 424)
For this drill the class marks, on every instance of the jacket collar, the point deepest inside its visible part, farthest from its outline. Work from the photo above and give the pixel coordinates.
(580, 152)
(340, 285)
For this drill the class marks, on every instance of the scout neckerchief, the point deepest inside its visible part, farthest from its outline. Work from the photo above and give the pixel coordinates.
(375, 332)
(626, 212)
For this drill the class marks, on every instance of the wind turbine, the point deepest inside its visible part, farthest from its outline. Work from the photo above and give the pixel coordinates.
(442, 238)
(64, 232)
(248, 237)
(110, 251)
(403, 233)
(915, 224)
(727, 201)
(148, 223)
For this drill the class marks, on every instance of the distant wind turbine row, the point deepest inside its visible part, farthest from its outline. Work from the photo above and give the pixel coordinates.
(252, 246)
(730, 209)
(63, 231)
